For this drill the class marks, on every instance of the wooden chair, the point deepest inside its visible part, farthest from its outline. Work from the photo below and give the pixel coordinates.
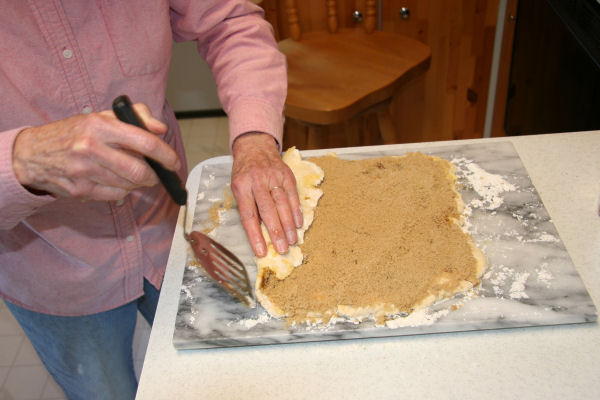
(335, 76)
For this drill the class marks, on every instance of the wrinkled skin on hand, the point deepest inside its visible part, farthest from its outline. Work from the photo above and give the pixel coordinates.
(265, 189)
(91, 157)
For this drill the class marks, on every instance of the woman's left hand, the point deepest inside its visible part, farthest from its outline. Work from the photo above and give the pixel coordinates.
(265, 190)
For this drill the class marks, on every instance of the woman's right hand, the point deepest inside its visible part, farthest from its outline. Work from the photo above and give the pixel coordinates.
(91, 157)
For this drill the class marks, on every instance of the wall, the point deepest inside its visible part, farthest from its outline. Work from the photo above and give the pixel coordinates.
(191, 86)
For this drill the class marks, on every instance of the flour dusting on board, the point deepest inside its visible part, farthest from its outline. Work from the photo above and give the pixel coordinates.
(509, 283)
(517, 288)
(544, 276)
(417, 318)
(250, 323)
(428, 316)
(487, 185)
(506, 282)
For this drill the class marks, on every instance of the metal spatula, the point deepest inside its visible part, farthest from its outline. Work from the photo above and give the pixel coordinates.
(221, 264)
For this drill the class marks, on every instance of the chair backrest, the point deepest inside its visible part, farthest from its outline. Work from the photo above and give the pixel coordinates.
(330, 6)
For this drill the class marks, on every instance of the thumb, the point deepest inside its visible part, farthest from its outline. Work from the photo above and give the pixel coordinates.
(154, 125)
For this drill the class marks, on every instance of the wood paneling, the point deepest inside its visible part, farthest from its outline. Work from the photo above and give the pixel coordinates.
(449, 101)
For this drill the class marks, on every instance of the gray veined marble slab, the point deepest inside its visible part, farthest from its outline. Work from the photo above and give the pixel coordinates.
(530, 280)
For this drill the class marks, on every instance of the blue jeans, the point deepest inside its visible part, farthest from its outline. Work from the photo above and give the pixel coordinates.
(89, 357)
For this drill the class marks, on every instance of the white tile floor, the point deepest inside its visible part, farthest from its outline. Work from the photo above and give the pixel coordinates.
(22, 375)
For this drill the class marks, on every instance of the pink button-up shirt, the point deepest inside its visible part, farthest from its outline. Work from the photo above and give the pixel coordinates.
(61, 58)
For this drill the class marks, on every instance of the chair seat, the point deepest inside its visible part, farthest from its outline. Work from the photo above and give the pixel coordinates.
(333, 77)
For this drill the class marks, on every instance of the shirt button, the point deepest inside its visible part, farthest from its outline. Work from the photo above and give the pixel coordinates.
(129, 238)
(67, 53)
(86, 110)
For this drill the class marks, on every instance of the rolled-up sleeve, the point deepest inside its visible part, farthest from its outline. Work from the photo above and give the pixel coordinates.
(239, 47)
(16, 202)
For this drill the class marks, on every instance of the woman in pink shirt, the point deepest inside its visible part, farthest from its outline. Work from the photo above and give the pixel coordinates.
(85, 228)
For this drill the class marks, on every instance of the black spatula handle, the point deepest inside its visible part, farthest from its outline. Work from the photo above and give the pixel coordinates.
(124, 111)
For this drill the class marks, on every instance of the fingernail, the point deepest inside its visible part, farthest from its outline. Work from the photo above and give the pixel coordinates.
(281, 246)
(298, 218)
(259, 249)
(291, 236)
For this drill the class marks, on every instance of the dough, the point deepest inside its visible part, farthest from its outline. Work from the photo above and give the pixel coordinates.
(385, 240)
(274, 265)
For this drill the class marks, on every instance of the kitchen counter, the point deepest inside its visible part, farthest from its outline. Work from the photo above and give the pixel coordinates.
(551, 362)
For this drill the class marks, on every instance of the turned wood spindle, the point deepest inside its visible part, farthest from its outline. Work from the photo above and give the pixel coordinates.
(292, 14)
(371, 16)
(332, 20)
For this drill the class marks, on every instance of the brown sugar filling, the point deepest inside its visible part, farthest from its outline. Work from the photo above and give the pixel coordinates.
(383, 233)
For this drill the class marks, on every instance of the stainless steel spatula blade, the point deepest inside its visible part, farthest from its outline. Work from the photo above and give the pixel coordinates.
(223, 266)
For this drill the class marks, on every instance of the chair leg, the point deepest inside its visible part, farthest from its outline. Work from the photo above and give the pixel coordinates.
(315, 137)
(387, 127)
(295, 134)
(305, 136)
(362, 130)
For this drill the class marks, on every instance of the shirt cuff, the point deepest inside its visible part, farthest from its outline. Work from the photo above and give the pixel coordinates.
(255, 115)
(16, 202)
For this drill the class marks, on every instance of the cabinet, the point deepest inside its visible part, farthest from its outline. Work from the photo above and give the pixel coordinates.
(447, 102)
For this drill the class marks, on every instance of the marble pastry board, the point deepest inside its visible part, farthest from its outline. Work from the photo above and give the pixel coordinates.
(530, 280)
